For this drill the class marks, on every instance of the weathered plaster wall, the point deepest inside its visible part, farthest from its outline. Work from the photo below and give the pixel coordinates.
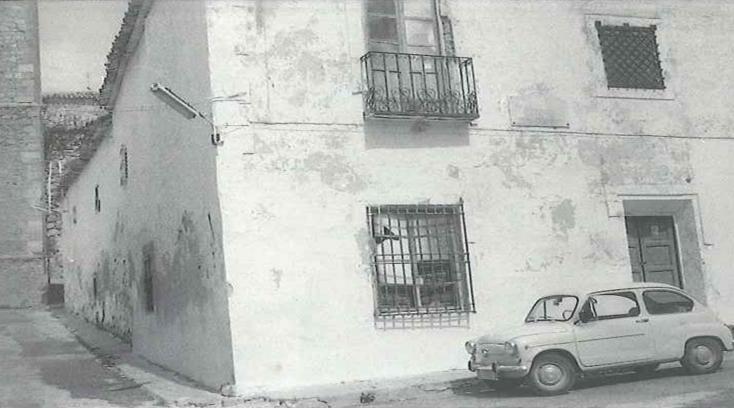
(544, 206)
(166, 210)
(22, 273)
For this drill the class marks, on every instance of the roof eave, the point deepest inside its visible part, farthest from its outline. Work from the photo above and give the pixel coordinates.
(111, 89)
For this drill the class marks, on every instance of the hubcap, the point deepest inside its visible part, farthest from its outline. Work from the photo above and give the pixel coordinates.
(703, 355)
(550, 374)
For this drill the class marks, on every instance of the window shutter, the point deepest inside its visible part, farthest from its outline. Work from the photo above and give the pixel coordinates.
(382, 25)
(448, 36)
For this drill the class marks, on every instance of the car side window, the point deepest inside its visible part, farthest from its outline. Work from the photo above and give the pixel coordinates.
(615, 305)
(666, 302)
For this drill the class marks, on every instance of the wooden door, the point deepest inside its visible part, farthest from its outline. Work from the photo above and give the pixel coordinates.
(653, 249)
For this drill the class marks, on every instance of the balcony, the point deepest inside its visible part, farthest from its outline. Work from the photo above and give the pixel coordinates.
(415, 85)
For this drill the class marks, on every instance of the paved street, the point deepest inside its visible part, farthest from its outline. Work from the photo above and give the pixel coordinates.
(668, 388)
(43, 365)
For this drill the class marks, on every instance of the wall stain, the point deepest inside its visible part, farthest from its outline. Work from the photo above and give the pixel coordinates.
(277, 277)
(453, 171)
(642, 161)
(563, 216)
(335, 172)
(521, 156)
(602, 249)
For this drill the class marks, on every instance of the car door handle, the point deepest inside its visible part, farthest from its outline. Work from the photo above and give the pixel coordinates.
(643, 320)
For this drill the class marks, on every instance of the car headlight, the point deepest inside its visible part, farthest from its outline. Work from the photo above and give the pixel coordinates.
(511, 348)
(470, 347)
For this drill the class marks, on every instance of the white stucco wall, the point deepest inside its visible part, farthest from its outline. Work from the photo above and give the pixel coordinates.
(299, 166)
(170, 202)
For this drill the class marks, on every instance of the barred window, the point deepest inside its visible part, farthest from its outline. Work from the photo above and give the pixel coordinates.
(124, 168)
(421, 260)
(631, 57)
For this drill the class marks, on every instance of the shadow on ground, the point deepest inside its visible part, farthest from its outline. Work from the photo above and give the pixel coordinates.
(482, 389)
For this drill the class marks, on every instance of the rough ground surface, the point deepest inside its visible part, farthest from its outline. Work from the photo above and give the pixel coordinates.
(669, 387)
(43, 365)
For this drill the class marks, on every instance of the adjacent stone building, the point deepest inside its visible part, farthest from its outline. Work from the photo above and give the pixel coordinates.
(70, 121)
(23, 281)
(390, 178)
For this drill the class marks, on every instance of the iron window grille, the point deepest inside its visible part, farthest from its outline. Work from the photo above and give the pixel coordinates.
(124, 166)
(419, 85)
(420, 260)
(631, 57)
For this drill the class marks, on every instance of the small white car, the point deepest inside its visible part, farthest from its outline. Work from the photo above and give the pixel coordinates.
(574, 334)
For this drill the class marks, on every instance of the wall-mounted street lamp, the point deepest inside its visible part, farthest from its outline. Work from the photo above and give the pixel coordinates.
(178, 104)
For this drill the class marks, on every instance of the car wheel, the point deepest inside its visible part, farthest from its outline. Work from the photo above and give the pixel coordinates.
(646, 369)
(552, 374)
(702, 356)
(505, 384)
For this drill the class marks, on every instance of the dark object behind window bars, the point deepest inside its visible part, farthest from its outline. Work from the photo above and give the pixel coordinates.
(631, 57)
(421, 260)
(399, 84)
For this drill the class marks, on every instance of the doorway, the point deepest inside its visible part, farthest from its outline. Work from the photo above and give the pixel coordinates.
(653, 249)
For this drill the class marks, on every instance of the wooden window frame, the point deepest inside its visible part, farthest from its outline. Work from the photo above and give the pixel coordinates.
(402, 45)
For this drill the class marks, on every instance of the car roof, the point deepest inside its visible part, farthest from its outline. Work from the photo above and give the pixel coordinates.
(582, 291)
(638, 285)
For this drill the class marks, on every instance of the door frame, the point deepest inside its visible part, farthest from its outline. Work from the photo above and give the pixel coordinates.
(689, 234)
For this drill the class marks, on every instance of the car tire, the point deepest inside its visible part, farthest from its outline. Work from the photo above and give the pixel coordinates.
(702, 356)
(646, 369)
(552, 374)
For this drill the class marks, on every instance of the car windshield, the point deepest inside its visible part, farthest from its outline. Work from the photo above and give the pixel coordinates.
(556, 307)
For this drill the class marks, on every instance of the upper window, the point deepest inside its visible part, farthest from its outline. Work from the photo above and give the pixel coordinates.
(402, 26)
(631, 57)
(420, 257)
(410, 69)
(615, 305)
(666, 302)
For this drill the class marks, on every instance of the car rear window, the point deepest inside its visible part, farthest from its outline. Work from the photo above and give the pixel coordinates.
(666, 302)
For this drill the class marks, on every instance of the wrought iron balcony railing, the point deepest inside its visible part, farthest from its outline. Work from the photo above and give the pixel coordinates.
(416, 85)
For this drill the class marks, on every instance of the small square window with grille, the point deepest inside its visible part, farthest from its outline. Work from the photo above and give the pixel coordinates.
(631, 56)
(124, 169)
(421, 260)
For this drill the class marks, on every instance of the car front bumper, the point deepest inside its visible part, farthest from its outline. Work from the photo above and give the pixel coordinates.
(496, 371)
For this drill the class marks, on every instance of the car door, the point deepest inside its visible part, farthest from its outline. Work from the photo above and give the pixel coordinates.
(614, 331)
(670, 314)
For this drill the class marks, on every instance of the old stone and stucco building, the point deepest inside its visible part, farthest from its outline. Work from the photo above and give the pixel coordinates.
(73, 123)
(394, 176)
(23, 280)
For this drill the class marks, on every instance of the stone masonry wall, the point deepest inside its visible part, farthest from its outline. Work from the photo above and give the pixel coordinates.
(22, 274)
(18, 65)
(21, 232)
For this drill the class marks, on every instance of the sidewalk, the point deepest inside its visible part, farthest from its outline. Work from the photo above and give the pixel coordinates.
(43, 366)
(174, 390)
